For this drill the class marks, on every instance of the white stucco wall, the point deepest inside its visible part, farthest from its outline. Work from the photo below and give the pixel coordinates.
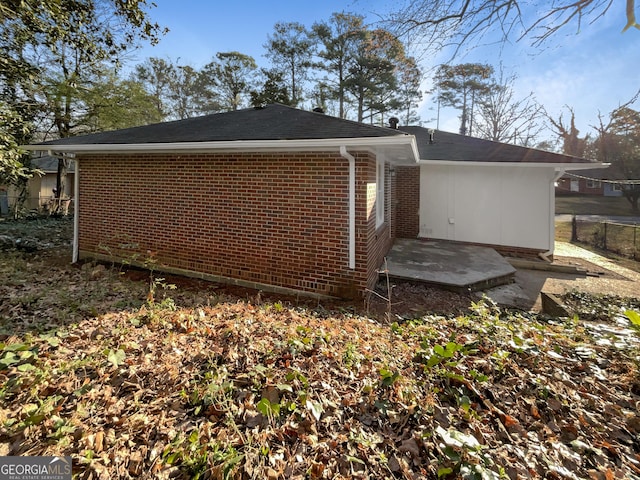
(497, 205)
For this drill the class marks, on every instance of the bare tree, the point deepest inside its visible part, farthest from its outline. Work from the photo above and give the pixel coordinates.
(572, 144)
(503, 118)
(618, 142)
(459, 22)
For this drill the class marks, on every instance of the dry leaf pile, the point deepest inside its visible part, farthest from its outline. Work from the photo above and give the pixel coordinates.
(249, 388)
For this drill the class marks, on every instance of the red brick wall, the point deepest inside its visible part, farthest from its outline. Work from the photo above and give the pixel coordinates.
(272, 219)
(407, 201)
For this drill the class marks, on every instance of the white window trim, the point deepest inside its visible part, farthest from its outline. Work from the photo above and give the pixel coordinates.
(380, 197)
(593, 184)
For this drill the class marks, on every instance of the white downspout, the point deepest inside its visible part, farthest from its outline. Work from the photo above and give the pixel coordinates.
(352, 205)
(552, 216)
(76, 221)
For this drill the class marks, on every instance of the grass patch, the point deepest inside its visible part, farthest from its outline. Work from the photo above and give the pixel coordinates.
(563, 234)
(593, 205)
(563, 231)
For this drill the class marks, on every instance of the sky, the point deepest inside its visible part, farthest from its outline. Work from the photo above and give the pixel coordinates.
(591, 71)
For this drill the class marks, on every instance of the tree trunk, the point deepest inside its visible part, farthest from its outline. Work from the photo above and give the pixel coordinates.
(61, 184)
(463, 119)
(632, 197)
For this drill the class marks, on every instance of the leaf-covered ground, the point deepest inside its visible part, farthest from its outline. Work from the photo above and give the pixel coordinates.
(134, 380)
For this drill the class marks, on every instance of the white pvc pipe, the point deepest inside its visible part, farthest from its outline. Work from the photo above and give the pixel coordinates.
(76, 221)
(352, 205)
(552, 215)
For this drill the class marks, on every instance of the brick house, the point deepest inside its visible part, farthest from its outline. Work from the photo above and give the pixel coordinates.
(596, 181)
(273, 198)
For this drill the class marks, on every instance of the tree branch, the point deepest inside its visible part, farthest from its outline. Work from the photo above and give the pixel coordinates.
(631, 16)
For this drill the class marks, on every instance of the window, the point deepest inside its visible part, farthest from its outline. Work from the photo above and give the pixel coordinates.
(617, 187)
(593, 183)
(379, 192)
(575, 185)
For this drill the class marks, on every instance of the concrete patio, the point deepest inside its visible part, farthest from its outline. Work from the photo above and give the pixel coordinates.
(454, 266)
(509, 281)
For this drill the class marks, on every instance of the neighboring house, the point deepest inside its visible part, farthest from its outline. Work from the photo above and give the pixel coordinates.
(595, 181)
(40, 187)
(275, 198)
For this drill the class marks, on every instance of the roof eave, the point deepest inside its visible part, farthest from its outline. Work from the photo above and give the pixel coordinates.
(248, 145)
(555, 165)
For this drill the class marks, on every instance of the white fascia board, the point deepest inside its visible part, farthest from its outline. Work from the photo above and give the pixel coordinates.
(556, 166)
(582, 166)
(237, 145)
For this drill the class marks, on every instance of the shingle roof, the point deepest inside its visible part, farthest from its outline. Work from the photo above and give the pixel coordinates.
(277, 122)
(48, 164)
(453, 147)
(273, 122)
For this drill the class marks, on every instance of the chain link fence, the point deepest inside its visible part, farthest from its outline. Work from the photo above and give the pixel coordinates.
(620, 238)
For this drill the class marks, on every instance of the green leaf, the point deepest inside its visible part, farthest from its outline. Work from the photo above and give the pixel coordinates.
(455, 376)
(452, 454)
(455, 438)
(268, 409)
(444, 471)
(264, 407)
(171, 458)
(451, 348)
(51, 339)
(355, 460)
(116, 358)
(17, 347)
(434, 360)
(8, 359)
(26, 355)
(35, 419)
(634, 317)
(465, 403)
(26, 367)
(388, 376)
(82, 390)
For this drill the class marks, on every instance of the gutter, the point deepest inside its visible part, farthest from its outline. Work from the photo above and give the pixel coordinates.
(233, 145)
(352, 205)
(557, 166)
(76, 211)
